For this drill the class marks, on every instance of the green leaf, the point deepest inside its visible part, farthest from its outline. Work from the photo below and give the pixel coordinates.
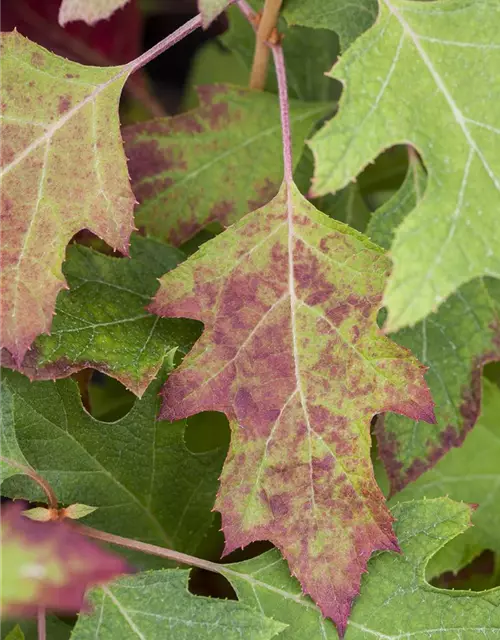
(454, 343)
(210, 9)
(101, 322)
(471, 473)
(15, 634)
(49, 565)
(90, 11)
(146, 483)
(396, 601)
(309, 54)
(291, 352)
(214, 163)
(349, 19)
(156, 605)
(426, 76)
(62, 145)
(56, 629)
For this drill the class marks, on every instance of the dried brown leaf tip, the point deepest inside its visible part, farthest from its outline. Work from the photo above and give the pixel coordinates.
(291, 352)
(49, 564)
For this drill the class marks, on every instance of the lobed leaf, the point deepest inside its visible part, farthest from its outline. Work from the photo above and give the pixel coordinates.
(157, 604)
(63, 169)
(49, 565)
(214, 163)
(90, 11)
(139, 473)
(454, 343)
(291, 352)
(449, 52)
(101, 322)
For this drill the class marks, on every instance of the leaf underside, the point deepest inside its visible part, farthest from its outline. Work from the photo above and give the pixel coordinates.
(292, 354)
(90, 11)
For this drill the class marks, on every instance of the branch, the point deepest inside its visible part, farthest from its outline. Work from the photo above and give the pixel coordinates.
(41, 482)
(266, 26)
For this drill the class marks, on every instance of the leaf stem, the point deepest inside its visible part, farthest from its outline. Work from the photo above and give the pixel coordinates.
(41, 624)
(279, 64)
(47, 489)
(267, 23)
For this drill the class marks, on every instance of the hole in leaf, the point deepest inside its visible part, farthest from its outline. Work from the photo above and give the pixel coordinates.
(207, 431)
(209, 583)
(380, 180)
(108, 400)
(480, 574)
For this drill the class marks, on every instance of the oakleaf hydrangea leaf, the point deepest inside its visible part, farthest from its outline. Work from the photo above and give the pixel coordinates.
(90, 11)
(396, 602)
(139, 473)
(210, 9)
(448, 51)
(101, 322)
(470, 473)
(214, 163)
(349, 19)
(63, 169)
(291, 352)
(49, 564)
(454, 343)
(157, 604)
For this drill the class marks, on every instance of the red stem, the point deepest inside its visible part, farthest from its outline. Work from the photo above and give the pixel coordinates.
(41, 482)
(41, 624)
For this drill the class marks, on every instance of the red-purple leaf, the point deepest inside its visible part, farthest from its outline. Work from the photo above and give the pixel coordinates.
(49, 564)
(291, 352)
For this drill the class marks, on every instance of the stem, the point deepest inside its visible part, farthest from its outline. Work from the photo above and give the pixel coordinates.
(49, 492)
(165, 44)
(279, 64)
(41, 624)
(261, 56)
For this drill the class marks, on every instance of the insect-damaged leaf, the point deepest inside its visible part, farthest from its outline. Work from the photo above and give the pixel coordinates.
(396, 602)
(156, 605)
(214, 163)
(63, 169)
(448, 52)
(49, 564)
(291, 352)
(454, 343)
(90, 11)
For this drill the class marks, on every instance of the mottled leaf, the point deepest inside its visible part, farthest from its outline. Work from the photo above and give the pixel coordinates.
(210, 9)
(450, 55)
(49, 564)
(454, 343)
(396, 602)
(214, 163)
(146, 484)
(471, 473)
(349, 19)
(292, 354)
(90, 11)
(309, 54)
(157, 605)
(62, 147)
(101, 322)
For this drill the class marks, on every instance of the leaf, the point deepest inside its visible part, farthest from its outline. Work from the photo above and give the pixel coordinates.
(450, 55)
(15, 634)
(49, 564)
(309, 53)
(56, 629)
(70, 153)
(471, 473)
(454, 343)
(101, 321)
(90, 11)
(348, 19)
(396, 601)
(147, 484)
(291, 353)
(157, 604)
(213, 163)
(210, 9)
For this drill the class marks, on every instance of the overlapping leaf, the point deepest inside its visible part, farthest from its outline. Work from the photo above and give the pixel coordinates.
(146, 483)
(157, 604)
(49, 564)
(292, 354)
(454, 343)
(214, 163)
(396, 601)
(63, 169)
(449, 52)
(101, 322)
(90, 11)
